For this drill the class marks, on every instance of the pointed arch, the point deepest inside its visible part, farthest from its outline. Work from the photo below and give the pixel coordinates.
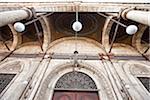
(101, 81)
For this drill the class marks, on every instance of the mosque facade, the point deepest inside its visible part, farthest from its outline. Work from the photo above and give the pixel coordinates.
(105, 56)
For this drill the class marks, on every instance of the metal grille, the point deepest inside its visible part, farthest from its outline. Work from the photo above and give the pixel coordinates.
(5, 80)
(75, 80)
(146, 82)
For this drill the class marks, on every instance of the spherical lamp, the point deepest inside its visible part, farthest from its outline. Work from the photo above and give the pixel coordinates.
(131, 29)
(77, 26)
(19, 27)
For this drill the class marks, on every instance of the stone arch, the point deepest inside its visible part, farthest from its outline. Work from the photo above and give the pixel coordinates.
(132, 71)
(100, 79)
(87, 46)
(84, 45)
(22, 78)
(16, 38)
(137, 38)
(106, 31)
(46, 32)
(11, 41)
(136, 41)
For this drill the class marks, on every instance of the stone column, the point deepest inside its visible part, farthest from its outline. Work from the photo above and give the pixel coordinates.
(8, 17)
(142, 17)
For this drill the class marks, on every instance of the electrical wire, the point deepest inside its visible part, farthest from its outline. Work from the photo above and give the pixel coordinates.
(28, 86)
(36, 28)
(112, 19)
(76, 43)
(114, 36)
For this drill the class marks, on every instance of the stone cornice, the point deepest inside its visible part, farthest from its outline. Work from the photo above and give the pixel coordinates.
(71, 7)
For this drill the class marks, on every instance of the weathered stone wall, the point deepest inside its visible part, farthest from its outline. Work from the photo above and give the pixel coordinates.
(36, 77)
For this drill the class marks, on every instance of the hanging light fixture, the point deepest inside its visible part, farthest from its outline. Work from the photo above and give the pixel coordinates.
(77, 26)
(19, 27)
(131, 29)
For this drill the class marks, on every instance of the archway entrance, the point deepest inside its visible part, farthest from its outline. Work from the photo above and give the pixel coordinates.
(75, 86)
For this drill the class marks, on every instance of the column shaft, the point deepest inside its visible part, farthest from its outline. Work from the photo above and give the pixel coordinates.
(142, 17)
(8, 17)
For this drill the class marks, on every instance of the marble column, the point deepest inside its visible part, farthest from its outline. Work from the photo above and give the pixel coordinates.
(142, 17)
(8, 17)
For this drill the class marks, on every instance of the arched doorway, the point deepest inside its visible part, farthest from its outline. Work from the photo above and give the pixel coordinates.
(75, 86)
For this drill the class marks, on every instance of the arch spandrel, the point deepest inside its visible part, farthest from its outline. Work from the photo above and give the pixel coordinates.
(11, 67)
(68, 45)
(50, 81)
(138, 69)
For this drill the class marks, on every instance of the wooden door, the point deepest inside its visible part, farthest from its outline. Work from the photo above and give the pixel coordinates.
(70, 95)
